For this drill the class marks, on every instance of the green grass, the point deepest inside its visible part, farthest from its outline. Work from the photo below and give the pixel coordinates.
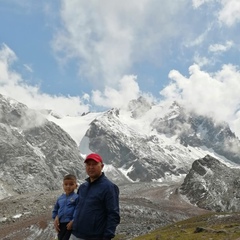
(214, 226)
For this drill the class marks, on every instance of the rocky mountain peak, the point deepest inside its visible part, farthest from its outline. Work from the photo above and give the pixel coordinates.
(197, 130)
(153, 156)
(143, 148)
(34, 152)
(139, 107)
(212, 185)
(15, 114)
(158, 144)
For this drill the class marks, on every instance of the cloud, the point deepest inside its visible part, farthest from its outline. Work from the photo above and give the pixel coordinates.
(13, 85)
(199, 39)
(202, 61)
(107, 38)
(128, 89)
(220, 47)
(230, 12)
(112, 41)
(215, 94)
(28, 68)
(198, 3)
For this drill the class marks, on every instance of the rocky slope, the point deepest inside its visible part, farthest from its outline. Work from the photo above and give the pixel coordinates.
(34, 152)
(144, 143)
(147, 150)
(196, 130)
(158, 141)
(213, 185)
(144, 207)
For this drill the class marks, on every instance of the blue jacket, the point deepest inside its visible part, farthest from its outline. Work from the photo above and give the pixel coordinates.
(97, 212)
(64, 207)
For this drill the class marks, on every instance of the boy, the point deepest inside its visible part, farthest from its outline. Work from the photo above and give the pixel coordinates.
(64, 207)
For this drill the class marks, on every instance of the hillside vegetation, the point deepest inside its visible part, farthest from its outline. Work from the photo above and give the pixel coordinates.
(212, 226)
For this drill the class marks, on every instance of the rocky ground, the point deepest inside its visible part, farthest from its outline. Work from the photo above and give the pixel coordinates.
(27, 216)
(144, 207)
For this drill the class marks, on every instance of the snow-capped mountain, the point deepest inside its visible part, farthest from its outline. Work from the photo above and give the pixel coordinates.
(143, 143)
(197, 131)
(166, 160)
(151, 142)
(34, 153)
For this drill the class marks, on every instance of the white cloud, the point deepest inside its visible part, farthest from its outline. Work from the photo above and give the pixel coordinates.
(12, 85)
(198, 3)
(128, 89)
(230, 12)
(28, 68)
(107, 37)
(202, 61)
(215, 94)
(220, 47)
(7, 57)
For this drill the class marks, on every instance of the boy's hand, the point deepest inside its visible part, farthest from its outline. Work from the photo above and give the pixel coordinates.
(56, 224)
(69, 225)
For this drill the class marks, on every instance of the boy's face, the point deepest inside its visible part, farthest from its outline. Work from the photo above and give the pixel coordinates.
(69, 185)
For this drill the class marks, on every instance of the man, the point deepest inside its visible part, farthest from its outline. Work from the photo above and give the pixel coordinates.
(97, 212)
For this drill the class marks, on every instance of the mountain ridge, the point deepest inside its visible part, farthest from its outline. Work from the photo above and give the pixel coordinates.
(169, 142)
(35, 153)
(153, 152)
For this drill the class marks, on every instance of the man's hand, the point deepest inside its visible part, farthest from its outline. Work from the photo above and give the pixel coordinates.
(69, 225)
(56, 224)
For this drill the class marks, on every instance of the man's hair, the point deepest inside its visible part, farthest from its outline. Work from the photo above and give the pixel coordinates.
(70, 177)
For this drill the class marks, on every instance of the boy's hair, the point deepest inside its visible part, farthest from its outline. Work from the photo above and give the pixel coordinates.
(70, 177)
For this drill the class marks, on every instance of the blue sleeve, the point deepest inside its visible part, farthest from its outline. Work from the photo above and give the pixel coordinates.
(76, 203)
(55, 210)
(112, 207)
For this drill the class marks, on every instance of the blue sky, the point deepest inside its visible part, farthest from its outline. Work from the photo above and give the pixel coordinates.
(75, 56)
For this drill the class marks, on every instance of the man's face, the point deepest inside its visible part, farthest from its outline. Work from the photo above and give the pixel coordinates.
(93, 169)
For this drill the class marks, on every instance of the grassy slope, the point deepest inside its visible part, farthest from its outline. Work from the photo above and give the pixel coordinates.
(219, 226)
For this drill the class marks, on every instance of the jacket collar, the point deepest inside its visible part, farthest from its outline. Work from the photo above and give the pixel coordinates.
(97, 180)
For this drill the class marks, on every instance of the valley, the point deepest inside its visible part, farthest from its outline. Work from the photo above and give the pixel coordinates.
(144, 207)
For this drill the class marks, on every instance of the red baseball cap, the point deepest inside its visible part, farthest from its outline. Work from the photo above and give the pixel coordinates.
(93, 156)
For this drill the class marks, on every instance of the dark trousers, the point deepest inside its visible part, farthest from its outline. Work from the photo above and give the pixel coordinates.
(64, 234)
